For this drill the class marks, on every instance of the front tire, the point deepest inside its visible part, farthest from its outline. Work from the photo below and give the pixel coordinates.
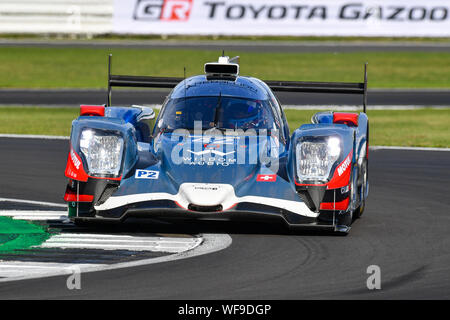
(364, 189)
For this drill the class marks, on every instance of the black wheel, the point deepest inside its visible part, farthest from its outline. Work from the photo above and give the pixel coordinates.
(344, 221)
(364, 186)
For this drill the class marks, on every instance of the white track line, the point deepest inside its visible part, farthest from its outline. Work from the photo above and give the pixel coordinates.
(22, 269)
(35, 215)
(408, 148)
(121, 242)
(31, 270)
(33, 136)
(112, 236)
(40, 203)
(104, 241)
(178, 247)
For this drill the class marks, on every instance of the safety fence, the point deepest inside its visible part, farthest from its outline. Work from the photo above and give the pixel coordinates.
(56, 16)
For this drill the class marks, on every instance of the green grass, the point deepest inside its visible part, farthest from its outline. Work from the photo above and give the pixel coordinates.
(36, 67)
(409, 128)
(420, 127)
(17, 234)
(29, 120)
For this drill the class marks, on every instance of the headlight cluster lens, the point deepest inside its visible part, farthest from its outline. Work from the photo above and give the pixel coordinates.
(316, 158)
(103, 152)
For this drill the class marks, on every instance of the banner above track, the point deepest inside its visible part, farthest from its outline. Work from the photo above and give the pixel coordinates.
(415, 18)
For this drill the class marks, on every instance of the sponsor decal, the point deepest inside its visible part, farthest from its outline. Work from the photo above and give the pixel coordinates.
(146, 174)
(208, 161)
(76, 162)
(255, 11)
(207, 188)
(74, 168)
(429, 18)
(359, 11)
(163, 10)
(266, 177)
(344, 165)
(252, 10)
(210, 156)
(211, 151)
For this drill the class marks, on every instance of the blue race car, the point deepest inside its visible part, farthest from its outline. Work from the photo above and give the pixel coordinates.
(220, 149)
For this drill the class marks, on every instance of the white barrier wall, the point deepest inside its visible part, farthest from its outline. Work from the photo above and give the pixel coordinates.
(56, 16)
(424, 18)
(284, 17)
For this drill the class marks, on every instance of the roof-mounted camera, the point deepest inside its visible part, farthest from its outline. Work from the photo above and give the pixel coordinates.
(224, 69)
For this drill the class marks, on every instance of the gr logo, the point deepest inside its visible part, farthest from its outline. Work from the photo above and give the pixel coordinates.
(165, 10)
(146, 174)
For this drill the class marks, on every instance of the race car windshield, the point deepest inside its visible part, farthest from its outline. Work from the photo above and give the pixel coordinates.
(216, 112)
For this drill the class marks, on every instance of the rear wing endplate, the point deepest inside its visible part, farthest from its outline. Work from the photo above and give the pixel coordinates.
(285, 86)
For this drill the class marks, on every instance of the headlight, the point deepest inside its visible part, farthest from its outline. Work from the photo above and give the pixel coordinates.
(314, 159)
(103, 151)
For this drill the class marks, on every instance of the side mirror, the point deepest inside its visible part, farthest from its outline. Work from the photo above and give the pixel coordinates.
(146, 121)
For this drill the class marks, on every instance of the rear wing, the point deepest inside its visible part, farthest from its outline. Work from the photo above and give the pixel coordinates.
(323, 87)
(285, 86)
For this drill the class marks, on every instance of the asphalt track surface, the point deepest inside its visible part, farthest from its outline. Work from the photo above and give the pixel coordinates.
(404, 231)
(62, 97)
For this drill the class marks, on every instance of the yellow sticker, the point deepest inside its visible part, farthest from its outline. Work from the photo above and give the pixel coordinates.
(179, 112)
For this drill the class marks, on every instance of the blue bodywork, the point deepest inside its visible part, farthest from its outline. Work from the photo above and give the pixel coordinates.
(255, 173)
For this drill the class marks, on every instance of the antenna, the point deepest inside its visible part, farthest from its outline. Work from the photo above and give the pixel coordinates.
(108, 100)
(223, 53)
(365, 88)
(184, 74)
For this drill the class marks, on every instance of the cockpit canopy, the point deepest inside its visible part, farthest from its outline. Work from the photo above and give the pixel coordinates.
(221, 112)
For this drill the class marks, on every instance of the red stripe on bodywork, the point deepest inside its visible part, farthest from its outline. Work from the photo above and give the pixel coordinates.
(75, 170)
(342, 173)
(341, 205)
(74, 167)
(71, 196)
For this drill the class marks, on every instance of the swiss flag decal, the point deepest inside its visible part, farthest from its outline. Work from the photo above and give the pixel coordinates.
(266, 177)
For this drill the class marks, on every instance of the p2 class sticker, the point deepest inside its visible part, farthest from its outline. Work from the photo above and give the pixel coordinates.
(146, 174)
